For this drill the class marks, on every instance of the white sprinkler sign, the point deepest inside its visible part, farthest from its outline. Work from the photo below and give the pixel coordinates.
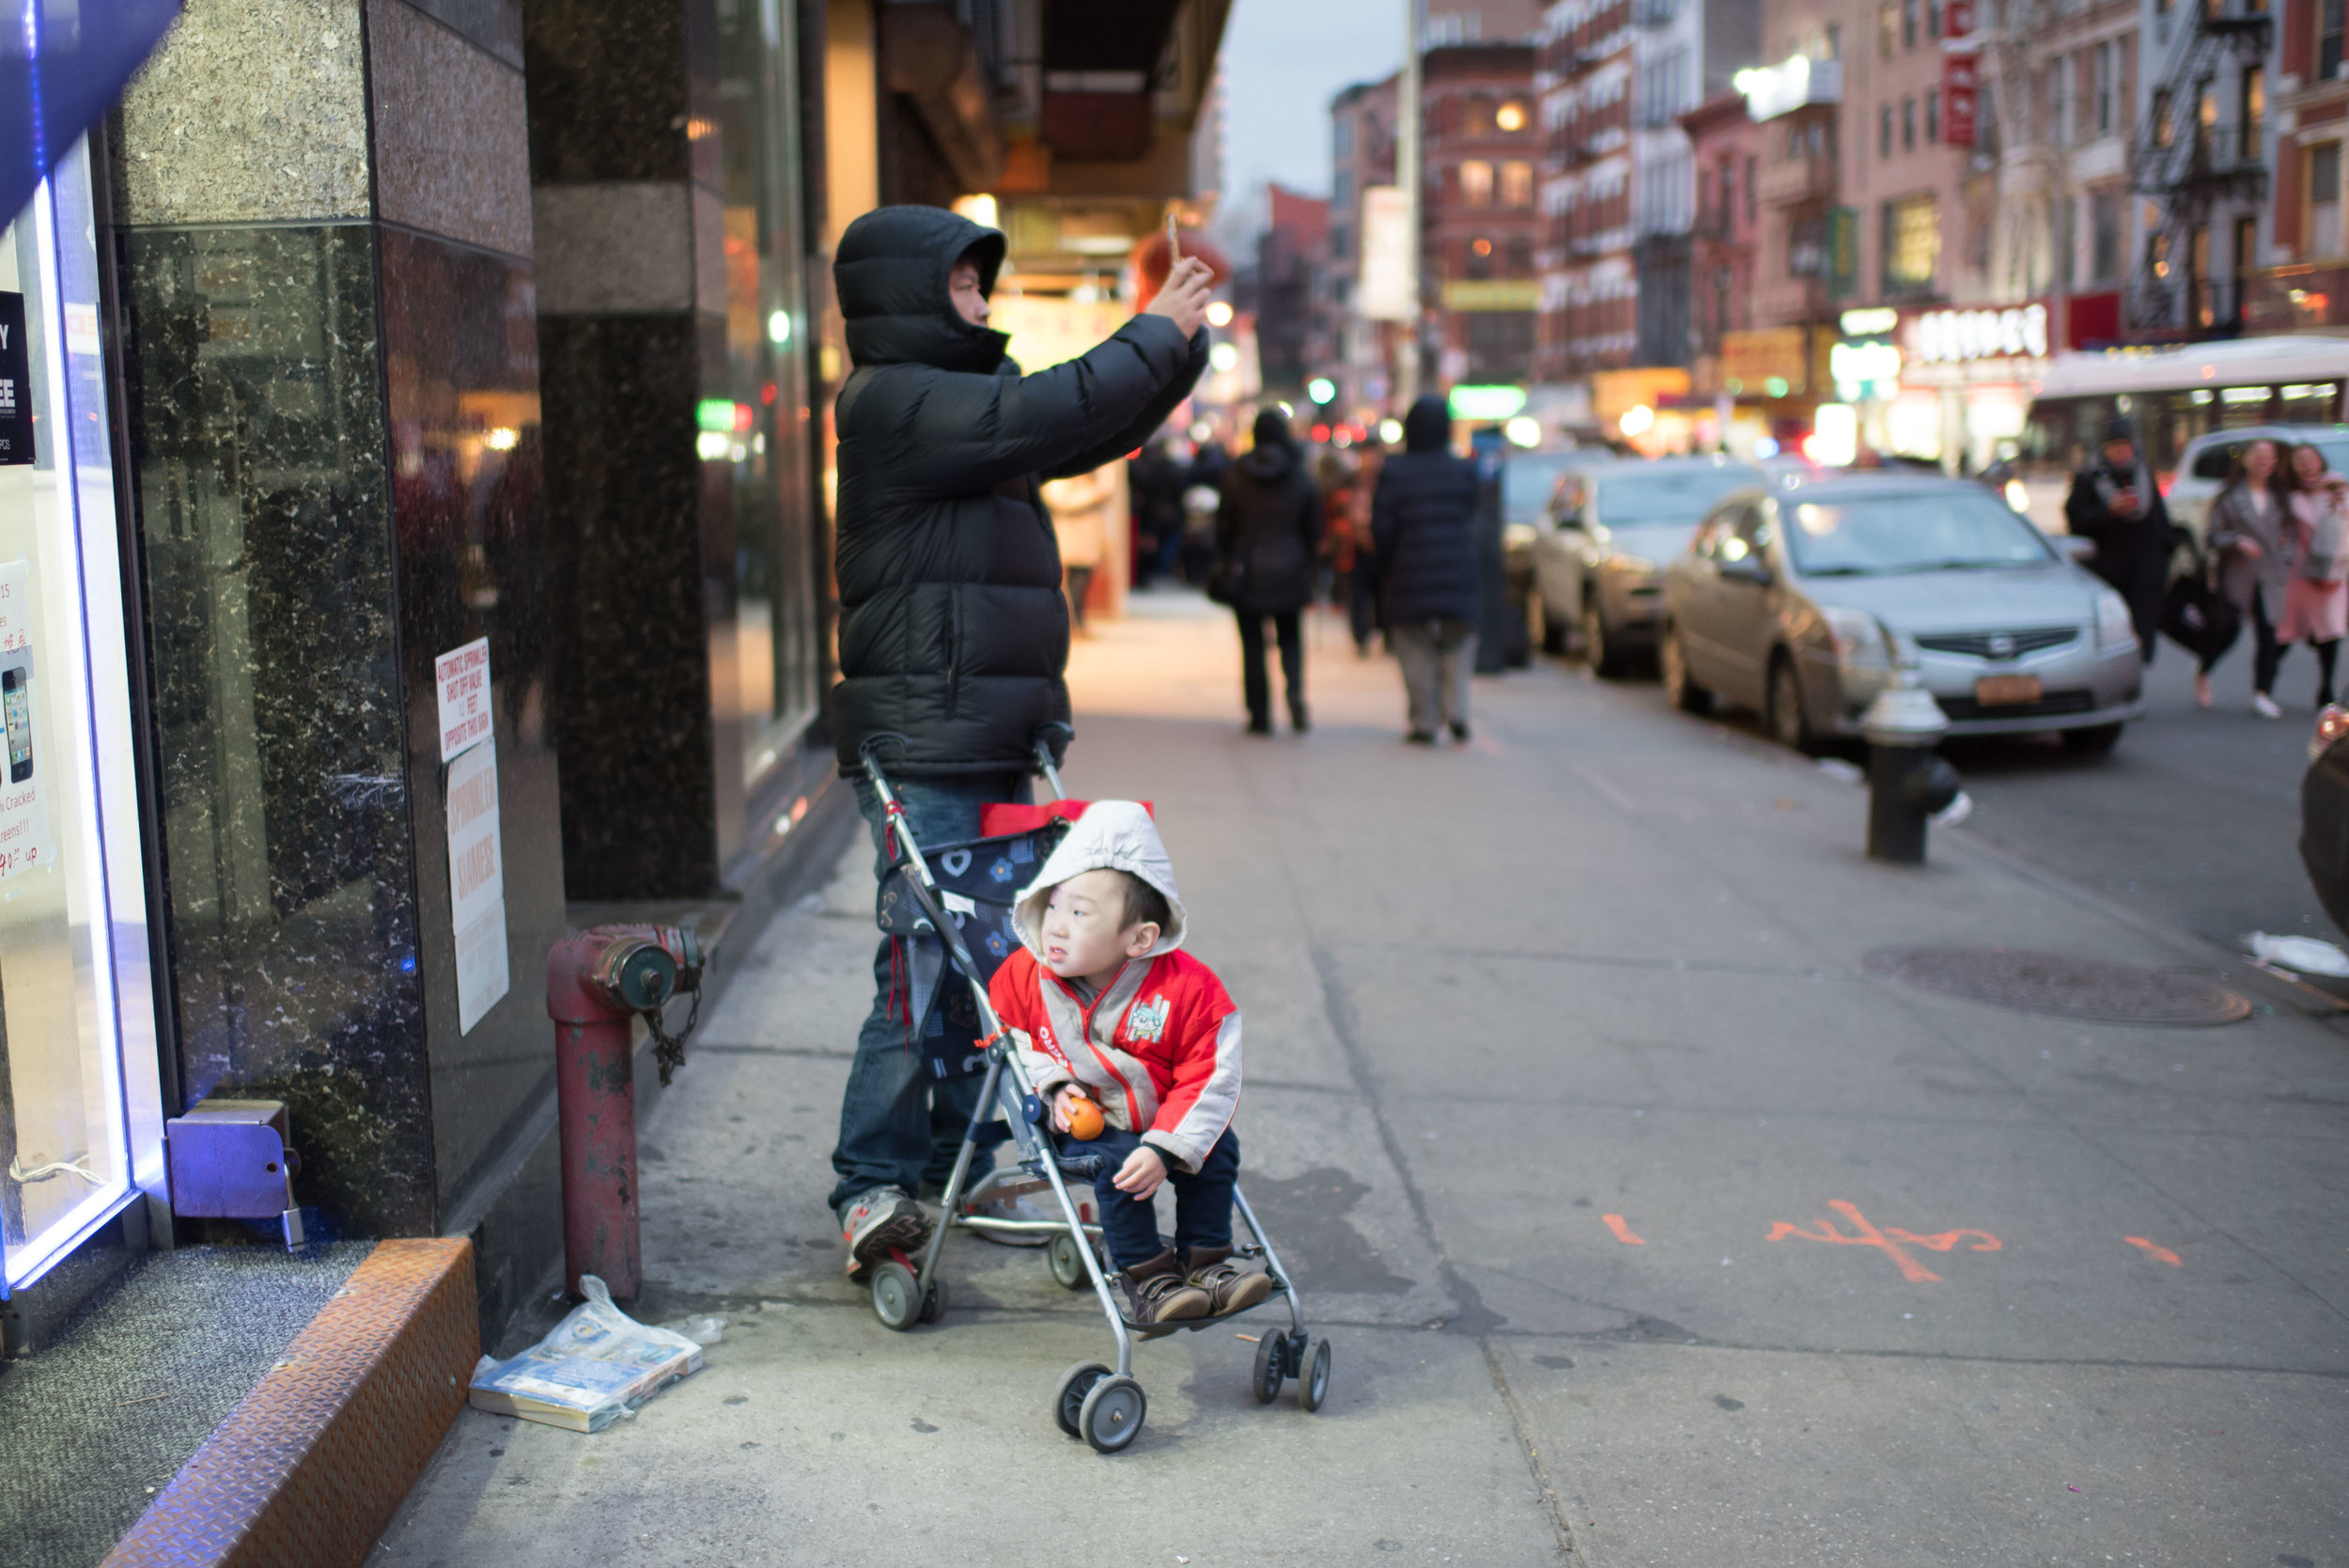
(464, 675)
(476, 855)
(476, 883)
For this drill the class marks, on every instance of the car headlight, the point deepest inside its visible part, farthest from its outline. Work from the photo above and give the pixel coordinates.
(2113, 625)
(2016, 496)
(1858, 636)
(2331, 725)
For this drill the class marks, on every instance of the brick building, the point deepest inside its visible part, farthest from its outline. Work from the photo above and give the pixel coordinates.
(1477, 223)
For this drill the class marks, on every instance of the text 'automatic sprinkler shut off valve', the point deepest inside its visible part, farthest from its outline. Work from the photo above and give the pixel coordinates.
(599, 982)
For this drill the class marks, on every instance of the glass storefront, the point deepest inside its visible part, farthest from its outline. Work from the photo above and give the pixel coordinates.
(77, 1139)
(759, 429)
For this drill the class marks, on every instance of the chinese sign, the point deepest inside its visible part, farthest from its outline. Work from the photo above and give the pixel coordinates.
(1961, 79)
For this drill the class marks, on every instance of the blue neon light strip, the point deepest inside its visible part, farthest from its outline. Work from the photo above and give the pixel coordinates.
(58, 80)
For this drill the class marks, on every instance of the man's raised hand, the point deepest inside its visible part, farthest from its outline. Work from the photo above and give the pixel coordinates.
(1184, 299)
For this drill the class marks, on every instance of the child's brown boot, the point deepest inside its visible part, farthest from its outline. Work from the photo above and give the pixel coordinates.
(1229, 1287)
(1155, 1292)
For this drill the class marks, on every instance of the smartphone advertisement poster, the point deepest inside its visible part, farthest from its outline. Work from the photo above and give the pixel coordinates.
(24, 838)
(476, 883)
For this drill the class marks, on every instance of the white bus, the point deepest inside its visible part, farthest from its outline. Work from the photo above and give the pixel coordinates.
(2174, 394)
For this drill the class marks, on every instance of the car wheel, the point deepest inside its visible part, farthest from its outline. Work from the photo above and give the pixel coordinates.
(1598, 652)
(1788, 721)
(1672, 664)
(2093, 741)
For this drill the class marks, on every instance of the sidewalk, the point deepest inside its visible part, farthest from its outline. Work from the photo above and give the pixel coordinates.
(1547, 1038)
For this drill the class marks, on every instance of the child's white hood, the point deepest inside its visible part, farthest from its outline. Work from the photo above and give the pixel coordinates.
(1115, 835)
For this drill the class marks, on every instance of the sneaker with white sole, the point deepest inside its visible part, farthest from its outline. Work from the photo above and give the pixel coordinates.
(2265, 705)
(878, 1222)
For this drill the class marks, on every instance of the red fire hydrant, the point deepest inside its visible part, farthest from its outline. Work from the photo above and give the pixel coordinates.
(597, 981)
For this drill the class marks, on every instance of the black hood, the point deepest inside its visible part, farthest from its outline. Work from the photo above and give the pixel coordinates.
(1428, 427)
(1268, 463)
(891, 275)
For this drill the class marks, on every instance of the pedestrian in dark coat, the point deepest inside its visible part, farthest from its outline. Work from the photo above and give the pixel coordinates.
(1423, 531)
(1157, 483)
(2115, 502)
(954, 632)
(1267, 543)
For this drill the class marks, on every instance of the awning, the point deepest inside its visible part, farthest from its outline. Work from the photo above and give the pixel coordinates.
(63, 65)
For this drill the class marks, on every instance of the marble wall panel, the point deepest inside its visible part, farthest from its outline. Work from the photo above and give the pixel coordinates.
(608, 91)
(496, 26)
(618, 247)
(254, 384)
(461, 366)
(631, 682)
(451, 133)
(252, 110)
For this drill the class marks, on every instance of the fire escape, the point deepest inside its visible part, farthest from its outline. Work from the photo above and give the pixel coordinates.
(2189, 162)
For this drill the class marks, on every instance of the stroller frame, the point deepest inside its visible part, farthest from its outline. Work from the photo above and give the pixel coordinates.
(1105, 1406)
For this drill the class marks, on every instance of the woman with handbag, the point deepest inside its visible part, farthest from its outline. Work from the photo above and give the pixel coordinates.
(2251, 543)
(1268, 539)
(2316, 599)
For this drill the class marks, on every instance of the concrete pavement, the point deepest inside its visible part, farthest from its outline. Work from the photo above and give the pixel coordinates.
(1651, 1228)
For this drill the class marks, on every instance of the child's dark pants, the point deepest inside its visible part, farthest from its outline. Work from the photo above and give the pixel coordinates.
(1203, 1201)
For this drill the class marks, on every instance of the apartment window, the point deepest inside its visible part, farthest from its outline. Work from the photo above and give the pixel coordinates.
(2198, 276)
(1908, 123)
(1520, 256)
(1477, 117)
(1933, 19)
(2060, 102)
(1888, 26)
(1753, 181)
(1834, 41)
(2246, 239)
(2324, 199)
(1884, 132)
(2328, 32)
(1480, 258)
(2254, 109)
(1516, 184)
(2164, 132)
(1477, 182)
(2067, 213)
(2104, 236)
(1909, 23)
(1341, 139)
(2106, 63)
(1933, 116)
(1912, 244)
(1342, 191)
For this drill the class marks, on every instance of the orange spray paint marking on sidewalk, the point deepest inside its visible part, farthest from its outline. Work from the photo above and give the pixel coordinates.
(1894, 1241)
(1622, 1232)
(2162, 1252)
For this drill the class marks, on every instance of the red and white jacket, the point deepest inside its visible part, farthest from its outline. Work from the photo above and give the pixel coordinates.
(1160, 1049)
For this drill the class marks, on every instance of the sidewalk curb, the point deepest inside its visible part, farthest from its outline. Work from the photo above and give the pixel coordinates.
(310, 1466)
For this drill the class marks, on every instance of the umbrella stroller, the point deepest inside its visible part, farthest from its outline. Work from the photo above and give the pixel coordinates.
(956, 902)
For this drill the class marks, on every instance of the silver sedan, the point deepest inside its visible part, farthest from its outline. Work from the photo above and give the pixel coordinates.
(1798, 603)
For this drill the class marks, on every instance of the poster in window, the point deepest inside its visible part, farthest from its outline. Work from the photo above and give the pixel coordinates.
(24, 836)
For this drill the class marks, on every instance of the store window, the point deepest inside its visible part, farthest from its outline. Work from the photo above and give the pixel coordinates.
(1911, 245)
(77, 1137)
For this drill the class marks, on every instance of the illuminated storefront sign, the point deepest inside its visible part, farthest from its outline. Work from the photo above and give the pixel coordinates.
(1951, 346)
(1780, 89)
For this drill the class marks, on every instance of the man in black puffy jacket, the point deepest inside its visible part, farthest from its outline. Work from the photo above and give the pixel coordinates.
(1424, 527)
(953, 633)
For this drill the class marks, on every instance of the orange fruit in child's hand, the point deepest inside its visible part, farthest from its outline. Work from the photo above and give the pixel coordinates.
(1084, 1120)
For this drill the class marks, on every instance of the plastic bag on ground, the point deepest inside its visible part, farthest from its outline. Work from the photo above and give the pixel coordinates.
(598, 1365)
(2305, 954)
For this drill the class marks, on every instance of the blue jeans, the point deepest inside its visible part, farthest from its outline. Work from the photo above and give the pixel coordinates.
(899, 1126)
(1203, 1200)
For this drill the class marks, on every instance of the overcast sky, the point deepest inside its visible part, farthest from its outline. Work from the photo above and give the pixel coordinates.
(1283, 60)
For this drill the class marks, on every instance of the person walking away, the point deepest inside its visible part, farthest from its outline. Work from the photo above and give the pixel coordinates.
(2316, 596)
(2115, 503)
(1424, 539)
(1267, 540)
(1335, 476)
(1203, 494)
(954, 636)
(2252, 538)
(1084, 507)
(1362, 611)
(1156, 480)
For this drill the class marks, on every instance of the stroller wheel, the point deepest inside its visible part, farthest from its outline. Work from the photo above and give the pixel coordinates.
(1111, 1417)
(1068, 1267)
(895, 1302)
(1069, 1398)
(1313, 1386)
(934, 1301)
(1269, 1371)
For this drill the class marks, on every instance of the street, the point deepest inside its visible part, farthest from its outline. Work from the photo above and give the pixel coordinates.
(1650, 1225)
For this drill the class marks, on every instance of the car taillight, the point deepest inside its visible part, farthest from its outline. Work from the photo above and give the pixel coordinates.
(2331, 725)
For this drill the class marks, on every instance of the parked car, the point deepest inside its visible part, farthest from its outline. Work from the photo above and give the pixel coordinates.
(2325, 814)
(1611, 527)
(2208, 459)
(1796, 603)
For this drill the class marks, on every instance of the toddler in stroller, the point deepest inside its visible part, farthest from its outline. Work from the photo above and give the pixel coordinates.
(1084, 996)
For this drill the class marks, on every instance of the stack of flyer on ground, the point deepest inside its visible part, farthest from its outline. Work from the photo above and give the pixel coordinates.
(598, 1365)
